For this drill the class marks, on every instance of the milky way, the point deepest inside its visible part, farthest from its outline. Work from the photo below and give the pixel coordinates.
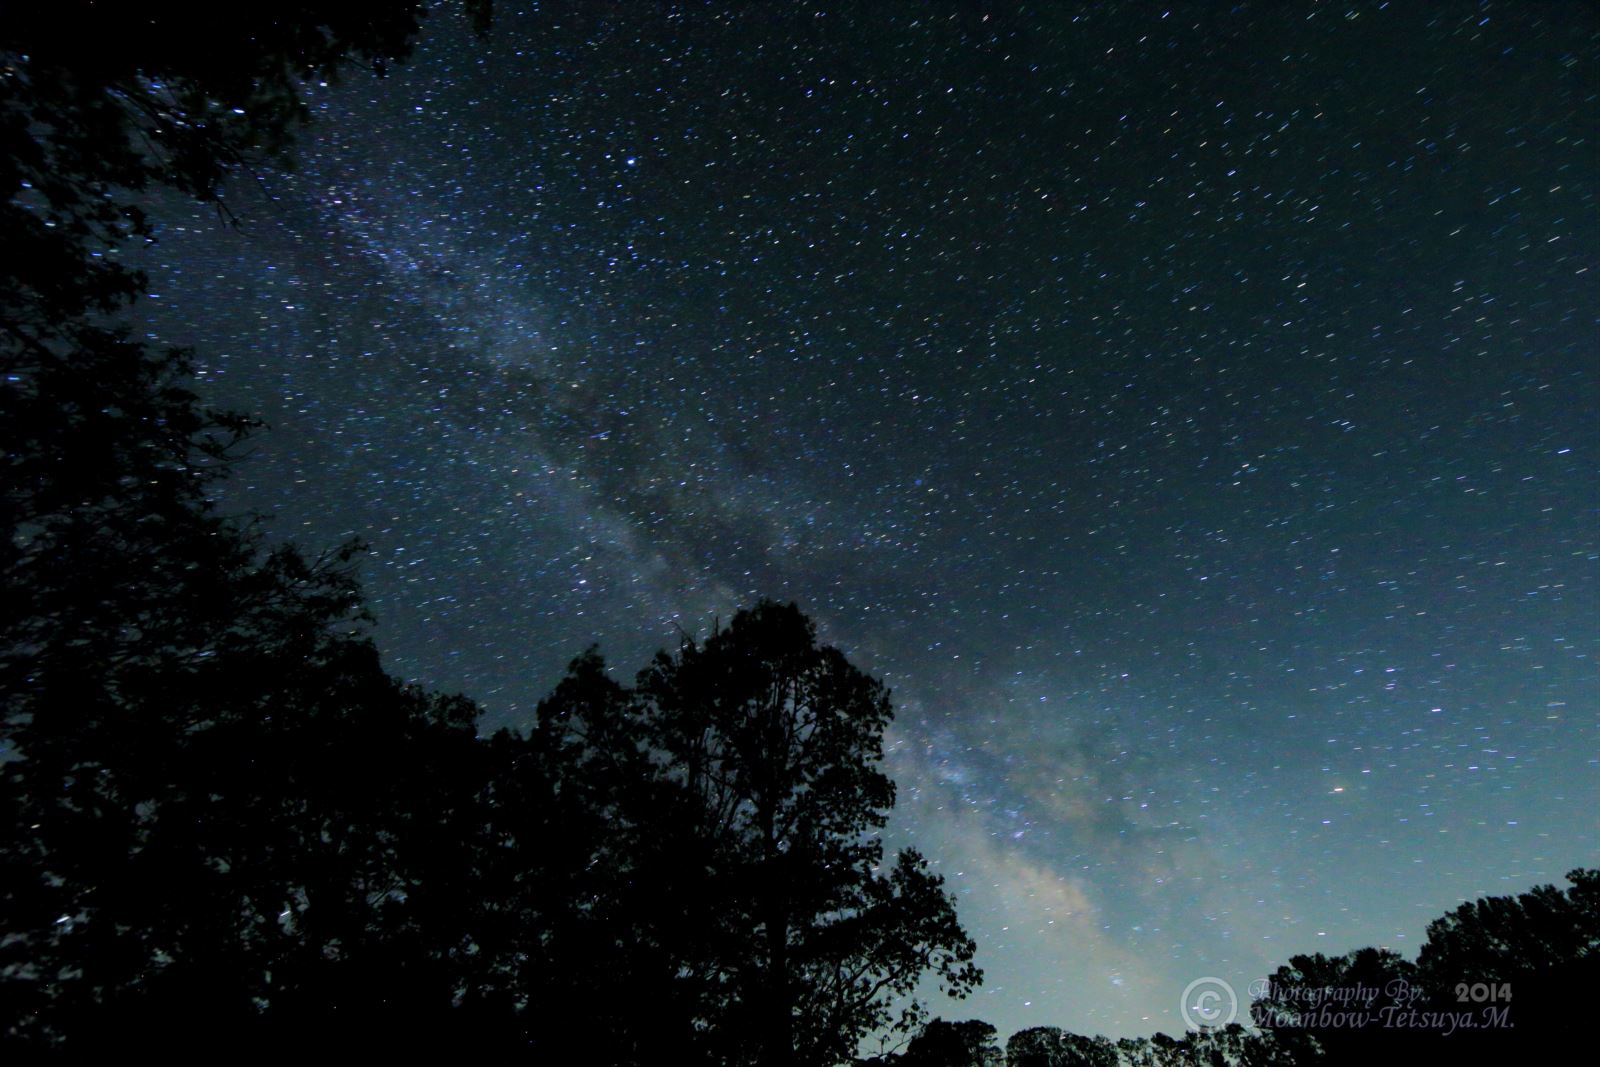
(1189, 413)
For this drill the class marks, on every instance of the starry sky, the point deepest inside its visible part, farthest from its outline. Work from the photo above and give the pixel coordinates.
(1187, 410)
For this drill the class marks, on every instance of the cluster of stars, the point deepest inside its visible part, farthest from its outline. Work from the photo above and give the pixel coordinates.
(1190, 415)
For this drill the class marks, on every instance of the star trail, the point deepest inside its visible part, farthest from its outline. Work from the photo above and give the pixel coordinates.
(1188, 411)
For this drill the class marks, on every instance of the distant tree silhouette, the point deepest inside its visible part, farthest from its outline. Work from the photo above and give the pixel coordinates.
(942, 1043)
(1497, 939)
(1318, 1005)
(1050, 1046)
(1037, 1046)
(1234, 1046)
(771, 748)
(1499, 980)
(1231, 1046)
(1529, 961)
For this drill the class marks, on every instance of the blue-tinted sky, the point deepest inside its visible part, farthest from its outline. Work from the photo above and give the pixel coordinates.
(1190, 412)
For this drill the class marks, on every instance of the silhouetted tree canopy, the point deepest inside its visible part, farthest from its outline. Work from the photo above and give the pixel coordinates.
(942, 1043)
(1307, 1020)
(718, 826)
(189, 831)
(772, 747)
(1532, 957)
(1500, 938)
(224, 827)
(225, 822)
(1500, 979)
(1050, 1046)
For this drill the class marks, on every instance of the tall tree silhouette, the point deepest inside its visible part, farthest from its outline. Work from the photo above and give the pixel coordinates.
(187, 830)
(772, 747)
(1534, 957)
(579, 909)
(224, 822)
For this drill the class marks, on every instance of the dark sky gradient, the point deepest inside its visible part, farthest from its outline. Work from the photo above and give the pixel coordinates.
(1190, 413)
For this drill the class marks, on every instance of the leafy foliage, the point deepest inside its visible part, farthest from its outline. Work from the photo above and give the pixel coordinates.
(225, 822)
(771, 746)
(942, 1043)
(183, 833)
(692, 864)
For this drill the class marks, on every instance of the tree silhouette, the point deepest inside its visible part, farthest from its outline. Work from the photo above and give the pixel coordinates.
(1535, 957)
(580, 911)
(1496, 939)
(954, 1044)
(189, 831)
(1050, 1046)
(1319, 1005)
(1500, 979)
(771, 748)
(224, 822)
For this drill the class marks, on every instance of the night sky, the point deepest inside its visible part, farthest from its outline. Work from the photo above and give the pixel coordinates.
(1189, 413)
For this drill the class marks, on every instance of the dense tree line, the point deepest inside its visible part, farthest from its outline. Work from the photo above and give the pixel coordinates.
(223, 827)
(1498, 980)
(175, 692)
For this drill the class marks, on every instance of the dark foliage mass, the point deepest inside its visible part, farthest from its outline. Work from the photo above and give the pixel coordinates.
(225, 830)
(1499, 980)
(181, 704)
(225, 826)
